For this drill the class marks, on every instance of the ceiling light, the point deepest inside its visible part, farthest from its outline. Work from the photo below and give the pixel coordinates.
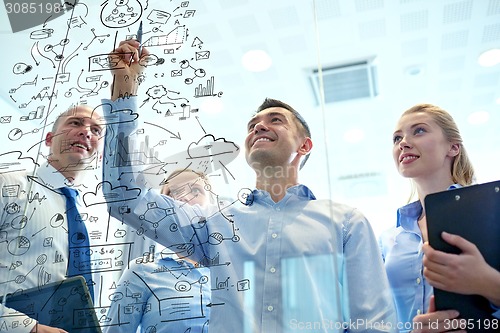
(479, 117)
(256, 61)
(414, 71)
(489, 58)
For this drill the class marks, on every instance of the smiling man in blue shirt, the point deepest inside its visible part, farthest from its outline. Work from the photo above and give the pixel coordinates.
(281, 262)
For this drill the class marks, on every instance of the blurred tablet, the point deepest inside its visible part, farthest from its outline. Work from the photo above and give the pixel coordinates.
(65, 304)
(472, 212)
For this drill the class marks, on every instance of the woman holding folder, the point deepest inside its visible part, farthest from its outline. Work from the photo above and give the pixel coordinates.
(428, 149)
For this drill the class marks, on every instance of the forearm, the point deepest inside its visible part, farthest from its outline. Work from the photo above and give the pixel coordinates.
(121, 122)
(128, 194)
(12, 321)
(124, 85)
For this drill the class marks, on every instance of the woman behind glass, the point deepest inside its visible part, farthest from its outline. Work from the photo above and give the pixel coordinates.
(162, 292)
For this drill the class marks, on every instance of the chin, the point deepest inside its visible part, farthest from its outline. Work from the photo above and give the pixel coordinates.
(254, 158)
(260, 160)
(407, 174)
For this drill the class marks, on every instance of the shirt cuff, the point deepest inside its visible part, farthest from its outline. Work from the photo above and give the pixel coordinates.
(496, 314)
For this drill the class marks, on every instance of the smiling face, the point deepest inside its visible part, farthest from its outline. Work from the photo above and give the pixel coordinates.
(75, 138)
(421, 149)
(274, 139)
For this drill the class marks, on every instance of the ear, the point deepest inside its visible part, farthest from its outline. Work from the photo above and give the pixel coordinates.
(48, 139)
(306, 147)
(454, 149)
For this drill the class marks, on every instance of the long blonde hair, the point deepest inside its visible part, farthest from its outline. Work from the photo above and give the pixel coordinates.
(462, 171)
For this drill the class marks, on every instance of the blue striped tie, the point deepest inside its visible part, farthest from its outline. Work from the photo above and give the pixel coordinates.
(78, 241)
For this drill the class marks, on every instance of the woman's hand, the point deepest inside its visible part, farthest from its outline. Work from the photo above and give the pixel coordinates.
(465, 273)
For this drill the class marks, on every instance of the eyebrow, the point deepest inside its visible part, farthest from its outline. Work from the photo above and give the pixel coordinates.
(268, 115)
(97, 123)
(411, 127)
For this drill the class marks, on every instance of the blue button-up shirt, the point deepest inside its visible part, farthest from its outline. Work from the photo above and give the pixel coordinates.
(402, 253)
(160, 295)
(297, 264)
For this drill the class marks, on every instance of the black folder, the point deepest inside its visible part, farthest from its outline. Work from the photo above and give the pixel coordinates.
(472, 212)
(65, 304)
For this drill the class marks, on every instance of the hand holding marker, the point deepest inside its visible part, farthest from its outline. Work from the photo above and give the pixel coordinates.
(139, 38)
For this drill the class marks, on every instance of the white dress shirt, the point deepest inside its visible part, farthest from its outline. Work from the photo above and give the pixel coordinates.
(33, 236)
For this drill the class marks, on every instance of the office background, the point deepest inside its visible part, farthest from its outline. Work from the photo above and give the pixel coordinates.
(376, 58)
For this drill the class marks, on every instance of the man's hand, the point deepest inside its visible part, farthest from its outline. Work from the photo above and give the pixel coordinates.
(126, 69)
(47, 329)
(465, 273)
(436, 321)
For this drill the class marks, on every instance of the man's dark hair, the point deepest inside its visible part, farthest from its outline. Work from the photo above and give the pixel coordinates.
(274, 103)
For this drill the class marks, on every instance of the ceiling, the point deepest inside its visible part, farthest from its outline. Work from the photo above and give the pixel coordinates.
(421, 51)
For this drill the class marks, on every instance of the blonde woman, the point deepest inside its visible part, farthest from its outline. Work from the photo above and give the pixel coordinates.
(428, 149)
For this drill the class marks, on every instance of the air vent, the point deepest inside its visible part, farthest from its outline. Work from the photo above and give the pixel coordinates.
(346, 82)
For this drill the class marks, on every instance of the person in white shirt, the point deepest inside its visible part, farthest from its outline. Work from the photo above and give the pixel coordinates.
(34, 247)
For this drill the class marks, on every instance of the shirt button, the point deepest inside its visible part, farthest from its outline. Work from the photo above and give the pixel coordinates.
(418, 280)
(419, 312)
(272, 270)
(274, 235)
(270, 308)
(278, 209)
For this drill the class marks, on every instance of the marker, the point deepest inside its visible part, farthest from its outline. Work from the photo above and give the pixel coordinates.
(139, 38)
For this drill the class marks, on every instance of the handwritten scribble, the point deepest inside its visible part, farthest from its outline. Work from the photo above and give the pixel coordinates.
(67, 62)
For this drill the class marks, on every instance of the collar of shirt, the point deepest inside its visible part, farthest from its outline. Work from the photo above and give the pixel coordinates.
(51, 178)
(299, 190)
(408, 214)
